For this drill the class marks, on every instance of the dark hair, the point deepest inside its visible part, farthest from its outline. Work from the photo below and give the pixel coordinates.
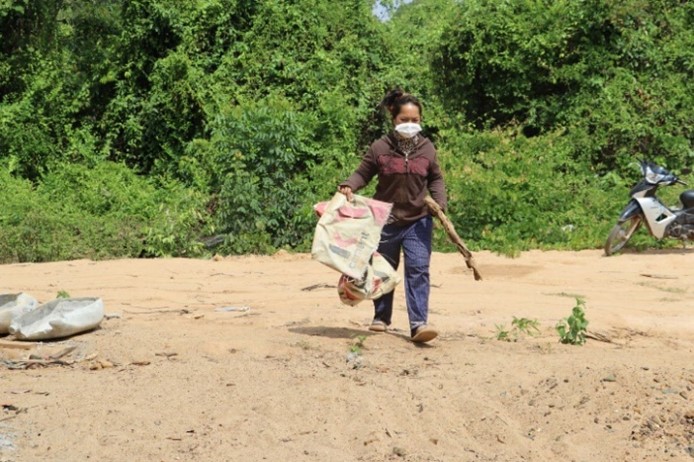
(396, 99)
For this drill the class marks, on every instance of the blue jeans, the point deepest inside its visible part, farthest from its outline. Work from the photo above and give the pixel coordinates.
(415, 241)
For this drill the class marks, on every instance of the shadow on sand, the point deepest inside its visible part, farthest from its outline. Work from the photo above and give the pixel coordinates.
(669, 251)
(347, 333)
(331, 332)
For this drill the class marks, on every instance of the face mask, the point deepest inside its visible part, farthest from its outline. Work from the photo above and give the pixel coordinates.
(408, 130)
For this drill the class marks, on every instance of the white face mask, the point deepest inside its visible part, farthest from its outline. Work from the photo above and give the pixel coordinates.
(408, 130)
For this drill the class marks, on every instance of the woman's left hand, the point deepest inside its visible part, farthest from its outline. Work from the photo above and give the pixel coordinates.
(346, 190)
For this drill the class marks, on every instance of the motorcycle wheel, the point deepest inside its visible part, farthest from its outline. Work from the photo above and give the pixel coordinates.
(620, 235)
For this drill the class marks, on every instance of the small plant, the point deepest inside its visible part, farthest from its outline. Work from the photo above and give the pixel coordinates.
(358, 344)
(572, 330)
(526, 326)
(62, 294)
(502, 334)
(520, 326)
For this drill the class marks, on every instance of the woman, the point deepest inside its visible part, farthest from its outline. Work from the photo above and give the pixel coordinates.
(407, 169)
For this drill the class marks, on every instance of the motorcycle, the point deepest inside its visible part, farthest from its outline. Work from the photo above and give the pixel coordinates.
(645, 207)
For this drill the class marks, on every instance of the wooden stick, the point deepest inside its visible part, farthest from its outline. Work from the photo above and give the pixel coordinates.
(598, 336)
(63, 352)
(16, 345)
(453, 235)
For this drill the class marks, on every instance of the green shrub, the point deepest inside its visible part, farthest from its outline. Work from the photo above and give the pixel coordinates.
(615, 75)
(511, 193)
(519, 327)
(572, 330)
(102, 212)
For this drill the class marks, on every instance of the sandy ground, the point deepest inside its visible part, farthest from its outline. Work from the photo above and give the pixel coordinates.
(288, 373)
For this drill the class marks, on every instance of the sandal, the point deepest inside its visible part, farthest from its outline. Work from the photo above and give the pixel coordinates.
(424, 334)
(378, 326)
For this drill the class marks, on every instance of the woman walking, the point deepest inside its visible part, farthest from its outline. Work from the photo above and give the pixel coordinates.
(407, 169)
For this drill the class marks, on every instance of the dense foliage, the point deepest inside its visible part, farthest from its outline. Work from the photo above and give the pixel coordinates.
(612, 74)
(150, 127)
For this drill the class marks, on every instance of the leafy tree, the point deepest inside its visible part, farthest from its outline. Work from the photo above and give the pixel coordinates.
(414, 33)
(502, 61)
(595, 68)
(33, 111)
(304, 82)
(29, 32)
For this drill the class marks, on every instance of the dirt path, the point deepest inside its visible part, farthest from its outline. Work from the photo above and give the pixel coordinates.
(254, 358)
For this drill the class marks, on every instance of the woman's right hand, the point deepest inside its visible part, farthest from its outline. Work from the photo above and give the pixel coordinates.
(346, 190)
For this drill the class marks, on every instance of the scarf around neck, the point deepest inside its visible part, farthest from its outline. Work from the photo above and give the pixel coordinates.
(407, 145)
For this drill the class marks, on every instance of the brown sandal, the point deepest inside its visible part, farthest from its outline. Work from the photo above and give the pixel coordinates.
(424, 334)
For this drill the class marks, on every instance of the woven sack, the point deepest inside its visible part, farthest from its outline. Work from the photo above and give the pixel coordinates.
(13, 306)
(348, 233)
(379, 279)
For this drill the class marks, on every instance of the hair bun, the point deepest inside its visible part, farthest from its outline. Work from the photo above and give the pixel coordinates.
(396, 98)
(391, 97)
(397, 93)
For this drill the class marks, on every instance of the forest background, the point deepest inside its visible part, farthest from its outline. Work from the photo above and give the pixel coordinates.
(147, 128)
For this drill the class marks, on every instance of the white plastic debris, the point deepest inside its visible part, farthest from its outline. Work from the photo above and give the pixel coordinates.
(227, 309)
(60, 318)
(12, 306)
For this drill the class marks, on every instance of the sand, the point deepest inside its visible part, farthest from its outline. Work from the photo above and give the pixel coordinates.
(254, 358)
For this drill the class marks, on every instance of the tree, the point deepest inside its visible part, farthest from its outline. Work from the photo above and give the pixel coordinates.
(595, 68)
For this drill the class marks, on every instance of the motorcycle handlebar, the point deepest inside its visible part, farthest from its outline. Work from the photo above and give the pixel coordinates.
(680, 182)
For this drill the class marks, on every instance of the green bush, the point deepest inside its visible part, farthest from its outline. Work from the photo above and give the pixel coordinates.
(260, 151)
(103, 211)
(615, 75)
(572, 330)
(510, 193)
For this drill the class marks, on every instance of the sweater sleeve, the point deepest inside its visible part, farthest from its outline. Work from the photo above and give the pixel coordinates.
(437, 186)
(368, 168)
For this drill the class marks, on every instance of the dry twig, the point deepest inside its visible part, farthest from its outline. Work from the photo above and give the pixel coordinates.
(453, 235)
(320, 285)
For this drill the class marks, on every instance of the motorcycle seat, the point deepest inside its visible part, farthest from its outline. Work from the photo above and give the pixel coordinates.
(687, 199)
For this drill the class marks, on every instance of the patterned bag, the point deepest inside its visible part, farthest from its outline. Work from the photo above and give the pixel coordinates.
(380, 278)
(348, 232)
(346, 239)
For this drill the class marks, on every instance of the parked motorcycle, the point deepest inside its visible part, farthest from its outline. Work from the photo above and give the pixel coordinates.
(645, 207)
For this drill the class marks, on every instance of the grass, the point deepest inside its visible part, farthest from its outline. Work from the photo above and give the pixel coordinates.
(565, 294)
(519, 328)
(671, 290)
(358, 344)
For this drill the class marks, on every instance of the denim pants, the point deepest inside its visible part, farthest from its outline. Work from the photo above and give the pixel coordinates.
(415, 241)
